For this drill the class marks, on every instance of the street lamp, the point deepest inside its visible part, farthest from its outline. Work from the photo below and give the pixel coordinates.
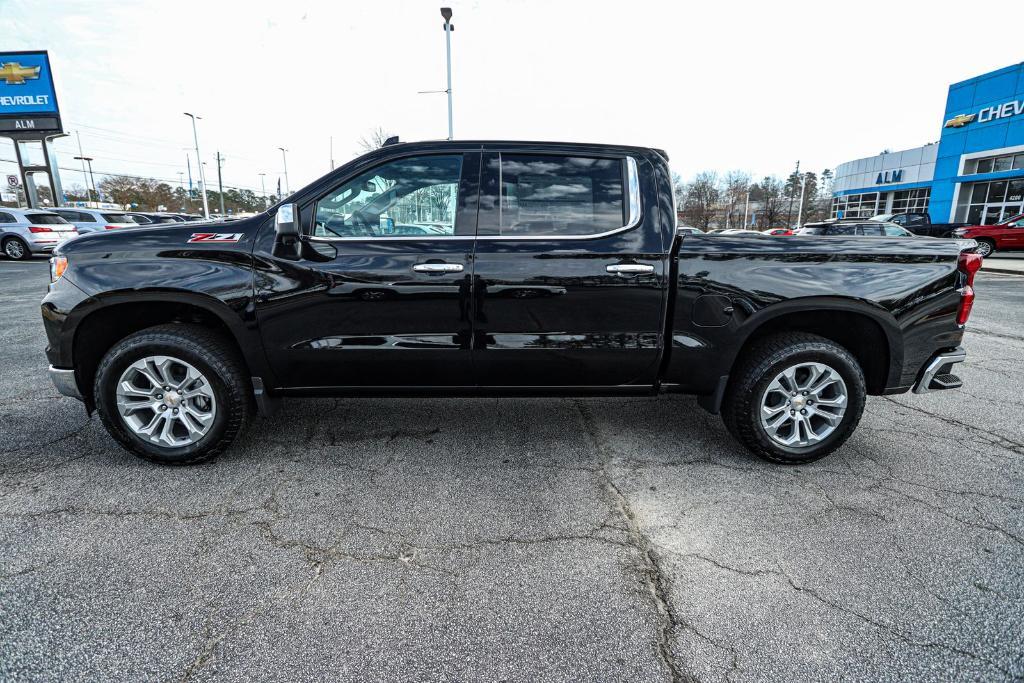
(284, 158)
(202, 174)
(263, 186)
(800, 209)
(92, 180)
(446, 12)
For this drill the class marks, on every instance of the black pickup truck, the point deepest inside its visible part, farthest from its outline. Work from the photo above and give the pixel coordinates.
(496, 268)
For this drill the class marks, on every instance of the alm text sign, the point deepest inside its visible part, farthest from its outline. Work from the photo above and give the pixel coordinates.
(27, 98)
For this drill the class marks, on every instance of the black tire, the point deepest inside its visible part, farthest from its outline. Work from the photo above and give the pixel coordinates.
(986, 247)
(758, 368)
(212, 355)
(16, 245)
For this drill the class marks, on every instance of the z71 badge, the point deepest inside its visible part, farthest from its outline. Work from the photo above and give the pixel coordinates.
(216, 236)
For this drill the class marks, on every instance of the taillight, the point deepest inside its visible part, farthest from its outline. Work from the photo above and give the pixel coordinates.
(112, 227)
(37, 229)
(968, 264)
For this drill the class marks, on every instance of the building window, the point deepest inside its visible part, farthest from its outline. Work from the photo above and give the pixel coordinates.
(911, 201)
(998, 164)
(989, 203)
(856, 205)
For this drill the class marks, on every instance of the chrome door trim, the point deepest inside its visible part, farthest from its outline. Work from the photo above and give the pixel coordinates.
(635, 216)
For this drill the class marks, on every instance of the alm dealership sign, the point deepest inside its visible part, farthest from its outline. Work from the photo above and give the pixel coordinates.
(999, 111)
(28, 101)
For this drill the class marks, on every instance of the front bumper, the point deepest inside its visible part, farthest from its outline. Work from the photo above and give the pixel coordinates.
(937, 375)
(65, 382)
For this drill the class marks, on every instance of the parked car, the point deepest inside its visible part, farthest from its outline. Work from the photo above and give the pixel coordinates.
(153, 218)
(854, 226)
(1005, 236)
(93, 220)
(919, 224)
(782, 231)
(689, 230)
(27, 232)
(213, 322)
(739, 231)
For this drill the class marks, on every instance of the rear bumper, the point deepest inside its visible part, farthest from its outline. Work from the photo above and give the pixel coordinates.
(65, 382)
(937, 375)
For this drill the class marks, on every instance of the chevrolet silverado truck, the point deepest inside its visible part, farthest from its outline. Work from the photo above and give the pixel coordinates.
(496, 269)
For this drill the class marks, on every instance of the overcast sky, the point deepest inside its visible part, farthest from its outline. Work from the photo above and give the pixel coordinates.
(719, 85)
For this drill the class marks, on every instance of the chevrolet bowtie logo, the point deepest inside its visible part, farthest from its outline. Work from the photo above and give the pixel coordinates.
(16, 74)
(960, 120)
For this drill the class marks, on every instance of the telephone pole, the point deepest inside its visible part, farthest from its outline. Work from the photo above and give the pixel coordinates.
(446, 12)
(220, 185)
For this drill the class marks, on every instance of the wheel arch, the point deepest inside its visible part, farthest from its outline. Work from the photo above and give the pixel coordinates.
(868, 332)
(106, 320)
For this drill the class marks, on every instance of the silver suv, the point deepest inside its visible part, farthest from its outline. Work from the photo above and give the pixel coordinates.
(94, 220)
(24, 232)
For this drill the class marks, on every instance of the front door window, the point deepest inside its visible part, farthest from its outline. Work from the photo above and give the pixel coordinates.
(411, 197)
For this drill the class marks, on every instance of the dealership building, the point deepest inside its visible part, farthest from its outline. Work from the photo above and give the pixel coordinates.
(974, 173)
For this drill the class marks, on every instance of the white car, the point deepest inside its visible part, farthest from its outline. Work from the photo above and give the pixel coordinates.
(94, 220)
(24, 232)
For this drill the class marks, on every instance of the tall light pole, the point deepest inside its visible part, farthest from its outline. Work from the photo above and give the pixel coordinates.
(81, 156)
(446, 12)
(746, 206)
(284, 158)
(800, 209)
(88, 160)
(263, 186)
(199, 162)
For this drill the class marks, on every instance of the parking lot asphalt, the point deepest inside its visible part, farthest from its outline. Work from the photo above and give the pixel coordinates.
(516, 539)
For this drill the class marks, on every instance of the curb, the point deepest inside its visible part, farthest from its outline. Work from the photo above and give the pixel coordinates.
(1001, 271)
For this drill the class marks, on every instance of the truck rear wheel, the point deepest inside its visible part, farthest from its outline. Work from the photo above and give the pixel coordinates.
(794, 398)
(173, 394)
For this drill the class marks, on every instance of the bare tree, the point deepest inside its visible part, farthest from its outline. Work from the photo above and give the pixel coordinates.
(440, 197)
(770, 192)
(736, 184)
(702, 196)
(375, 139)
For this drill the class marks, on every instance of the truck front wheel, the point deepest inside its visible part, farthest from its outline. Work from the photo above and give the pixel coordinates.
(173, 394)
(794, 398)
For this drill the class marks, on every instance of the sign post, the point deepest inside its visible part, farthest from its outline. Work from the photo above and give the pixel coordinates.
(30, 117)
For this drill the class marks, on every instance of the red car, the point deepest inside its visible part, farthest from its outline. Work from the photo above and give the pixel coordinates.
(780, 231)
(1005, 236)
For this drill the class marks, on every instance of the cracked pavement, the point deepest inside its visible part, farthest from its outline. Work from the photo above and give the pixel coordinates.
(516, 539)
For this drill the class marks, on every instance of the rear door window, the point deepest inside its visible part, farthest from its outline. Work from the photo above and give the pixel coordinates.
(845, 229)
(7, 218)
(870, 229)
(538, 195)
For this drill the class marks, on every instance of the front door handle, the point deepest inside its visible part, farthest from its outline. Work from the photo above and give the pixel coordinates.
(438, 268)
(630, 268)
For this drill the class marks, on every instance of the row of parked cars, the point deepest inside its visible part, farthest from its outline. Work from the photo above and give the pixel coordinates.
(1005, 236)
(24, 232)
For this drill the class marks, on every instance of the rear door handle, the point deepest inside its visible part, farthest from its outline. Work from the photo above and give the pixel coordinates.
(630, 268)
(438, 268)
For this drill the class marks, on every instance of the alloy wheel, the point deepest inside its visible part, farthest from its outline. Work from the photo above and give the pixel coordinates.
(166, 401)
(803, 405)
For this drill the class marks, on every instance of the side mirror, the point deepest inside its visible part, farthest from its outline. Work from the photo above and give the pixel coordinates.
(286, 224)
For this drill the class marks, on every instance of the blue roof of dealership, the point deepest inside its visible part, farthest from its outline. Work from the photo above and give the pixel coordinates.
(975, 173)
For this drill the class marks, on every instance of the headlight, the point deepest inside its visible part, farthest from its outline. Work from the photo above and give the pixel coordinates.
(58, 264)
(959, 232)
